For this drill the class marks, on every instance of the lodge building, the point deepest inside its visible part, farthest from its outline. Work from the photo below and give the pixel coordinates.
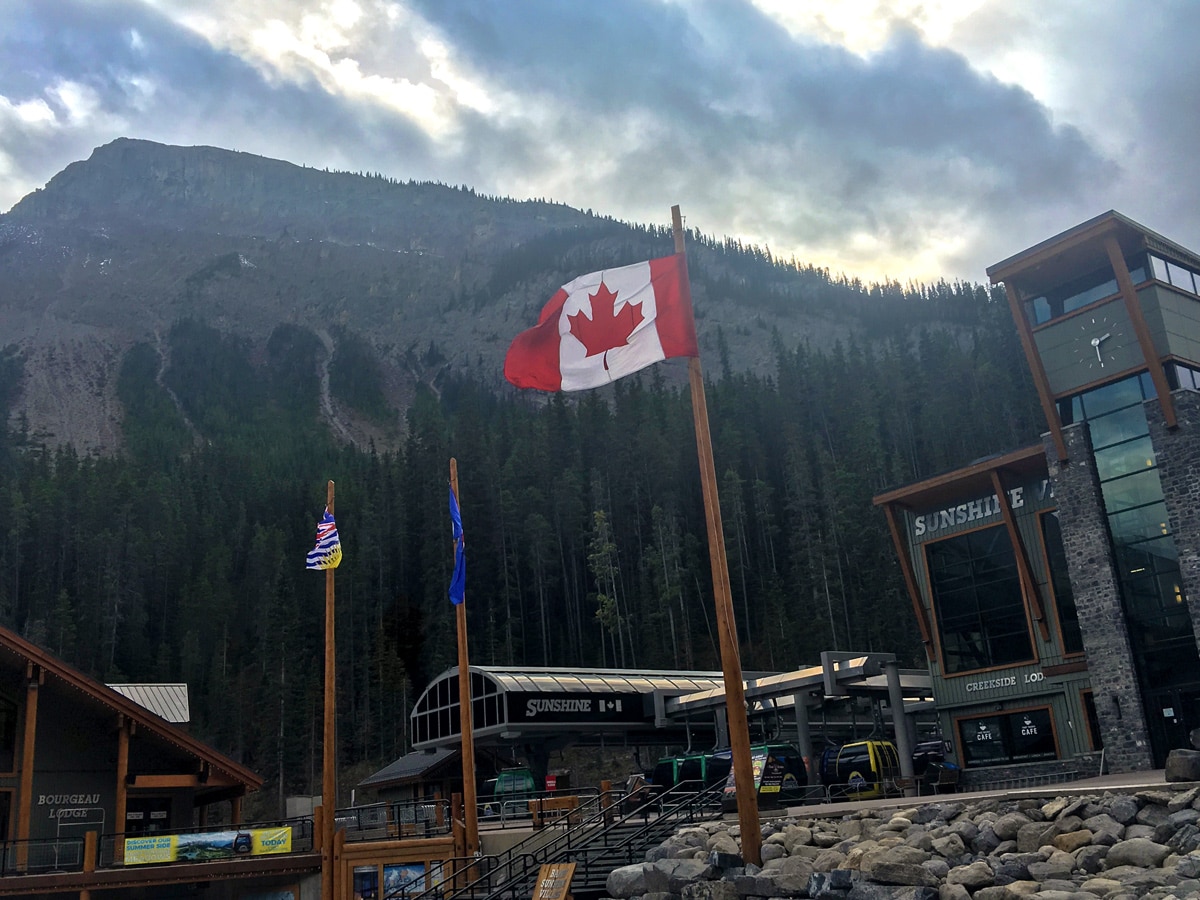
(1050, 584)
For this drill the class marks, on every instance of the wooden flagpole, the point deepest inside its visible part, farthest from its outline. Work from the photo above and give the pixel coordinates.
(329, 759)
(470, 803)
(735, 694)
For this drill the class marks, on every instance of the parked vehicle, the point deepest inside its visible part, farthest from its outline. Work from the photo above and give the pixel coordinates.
(780, 775)
(508, 791)
(860, 770)
(926, 752)
(693, 772)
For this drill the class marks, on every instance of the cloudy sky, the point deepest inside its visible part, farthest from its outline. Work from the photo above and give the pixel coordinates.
(904, 139)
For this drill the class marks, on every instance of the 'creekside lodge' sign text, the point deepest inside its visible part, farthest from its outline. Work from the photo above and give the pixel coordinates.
(975, 510)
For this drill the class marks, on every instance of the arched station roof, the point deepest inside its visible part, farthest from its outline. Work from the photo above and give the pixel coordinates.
(540, 704)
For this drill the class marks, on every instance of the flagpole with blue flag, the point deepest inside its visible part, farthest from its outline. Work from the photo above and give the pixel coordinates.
(458, 597)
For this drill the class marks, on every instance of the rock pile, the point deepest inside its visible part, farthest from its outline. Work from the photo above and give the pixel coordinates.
(1111, 846)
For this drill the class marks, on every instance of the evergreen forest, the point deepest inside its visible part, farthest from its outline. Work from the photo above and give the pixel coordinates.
(182, 557)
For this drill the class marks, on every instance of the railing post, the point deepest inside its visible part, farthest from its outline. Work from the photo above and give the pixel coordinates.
(606, 801)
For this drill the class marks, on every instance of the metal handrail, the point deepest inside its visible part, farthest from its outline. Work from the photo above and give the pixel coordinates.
(398, 818)
(58, 854)
(520, 864)
(517, 808)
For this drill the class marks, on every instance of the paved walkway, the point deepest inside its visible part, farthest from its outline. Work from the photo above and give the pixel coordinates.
(1125, 782)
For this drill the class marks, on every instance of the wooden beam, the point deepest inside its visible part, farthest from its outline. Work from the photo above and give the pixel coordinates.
(163, 781)
(33, 679)
(122, 795)
(1141, 329)
(910, 582)
(1038, 371)
(1024, 570)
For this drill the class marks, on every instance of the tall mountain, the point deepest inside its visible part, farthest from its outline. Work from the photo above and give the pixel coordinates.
(424, 279)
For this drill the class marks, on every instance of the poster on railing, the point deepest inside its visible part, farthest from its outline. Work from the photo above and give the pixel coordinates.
(165, 848)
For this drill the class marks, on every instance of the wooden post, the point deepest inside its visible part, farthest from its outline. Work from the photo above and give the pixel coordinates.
(329, 758)
(735, 694)
(90, 841)
(122, 792)
(470, 803)
(33, 679)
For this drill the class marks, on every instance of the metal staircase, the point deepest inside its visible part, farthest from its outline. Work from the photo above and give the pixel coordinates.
(599, 841)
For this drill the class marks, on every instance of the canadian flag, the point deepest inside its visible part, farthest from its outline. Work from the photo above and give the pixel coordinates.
(605, 325)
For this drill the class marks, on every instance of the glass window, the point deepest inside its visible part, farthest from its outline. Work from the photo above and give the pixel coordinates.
(366, 882)
(1009, 738)
(1032, 736)
(1181, 277)
(977, 595)
(1155, 555)
(1139, 489)
(1159, 268)
(1141, 524)
(1117, 395)
(1122, 459)
(8, 739)
(1038, 310)
(1093, 724)
(1060, 583)
(1117, 427)
(1184, 376)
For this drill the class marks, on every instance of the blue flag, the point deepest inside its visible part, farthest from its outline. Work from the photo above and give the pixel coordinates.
(458, 583)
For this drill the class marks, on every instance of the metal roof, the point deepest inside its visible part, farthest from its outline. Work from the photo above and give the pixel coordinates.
(167, 700)
(410, 767)
(95, 693)
(593, 680)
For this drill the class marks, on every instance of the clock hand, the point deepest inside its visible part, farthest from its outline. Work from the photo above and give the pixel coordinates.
(1099, 358)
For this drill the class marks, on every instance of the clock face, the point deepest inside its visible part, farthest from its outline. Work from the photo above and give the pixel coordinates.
(1096, 343)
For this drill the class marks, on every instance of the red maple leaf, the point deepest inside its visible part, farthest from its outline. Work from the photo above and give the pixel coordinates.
(606, 329)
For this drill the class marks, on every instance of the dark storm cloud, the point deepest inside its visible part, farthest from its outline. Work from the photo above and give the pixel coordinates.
(152, 79)
(887, 144)
(909, 159)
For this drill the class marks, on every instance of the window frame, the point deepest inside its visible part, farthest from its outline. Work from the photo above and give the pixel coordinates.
(1006, 714)
(1053, 593)
(935, 607)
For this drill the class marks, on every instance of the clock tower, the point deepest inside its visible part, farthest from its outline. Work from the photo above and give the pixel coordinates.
(1108, 314)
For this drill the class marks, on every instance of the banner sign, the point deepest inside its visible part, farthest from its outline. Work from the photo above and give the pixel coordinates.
(573, 707)
(165, 848)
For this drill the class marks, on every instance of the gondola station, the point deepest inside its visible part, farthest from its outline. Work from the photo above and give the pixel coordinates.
(1051, 584)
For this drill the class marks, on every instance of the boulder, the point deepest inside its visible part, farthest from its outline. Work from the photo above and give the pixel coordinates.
(973, 877)
(709, 890)
(1183, 765)
(1073, 840)
(627, 881)
(671, 875)
(904, 874)
(1007, 826)
(1140, 852)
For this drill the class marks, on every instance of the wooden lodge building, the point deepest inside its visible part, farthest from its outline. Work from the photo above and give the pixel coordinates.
(1057, 587)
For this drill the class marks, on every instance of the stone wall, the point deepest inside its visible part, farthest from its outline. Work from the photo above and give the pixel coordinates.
(1119, 710)
(1178, 453)
(1143, 845)
(1051, 771)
